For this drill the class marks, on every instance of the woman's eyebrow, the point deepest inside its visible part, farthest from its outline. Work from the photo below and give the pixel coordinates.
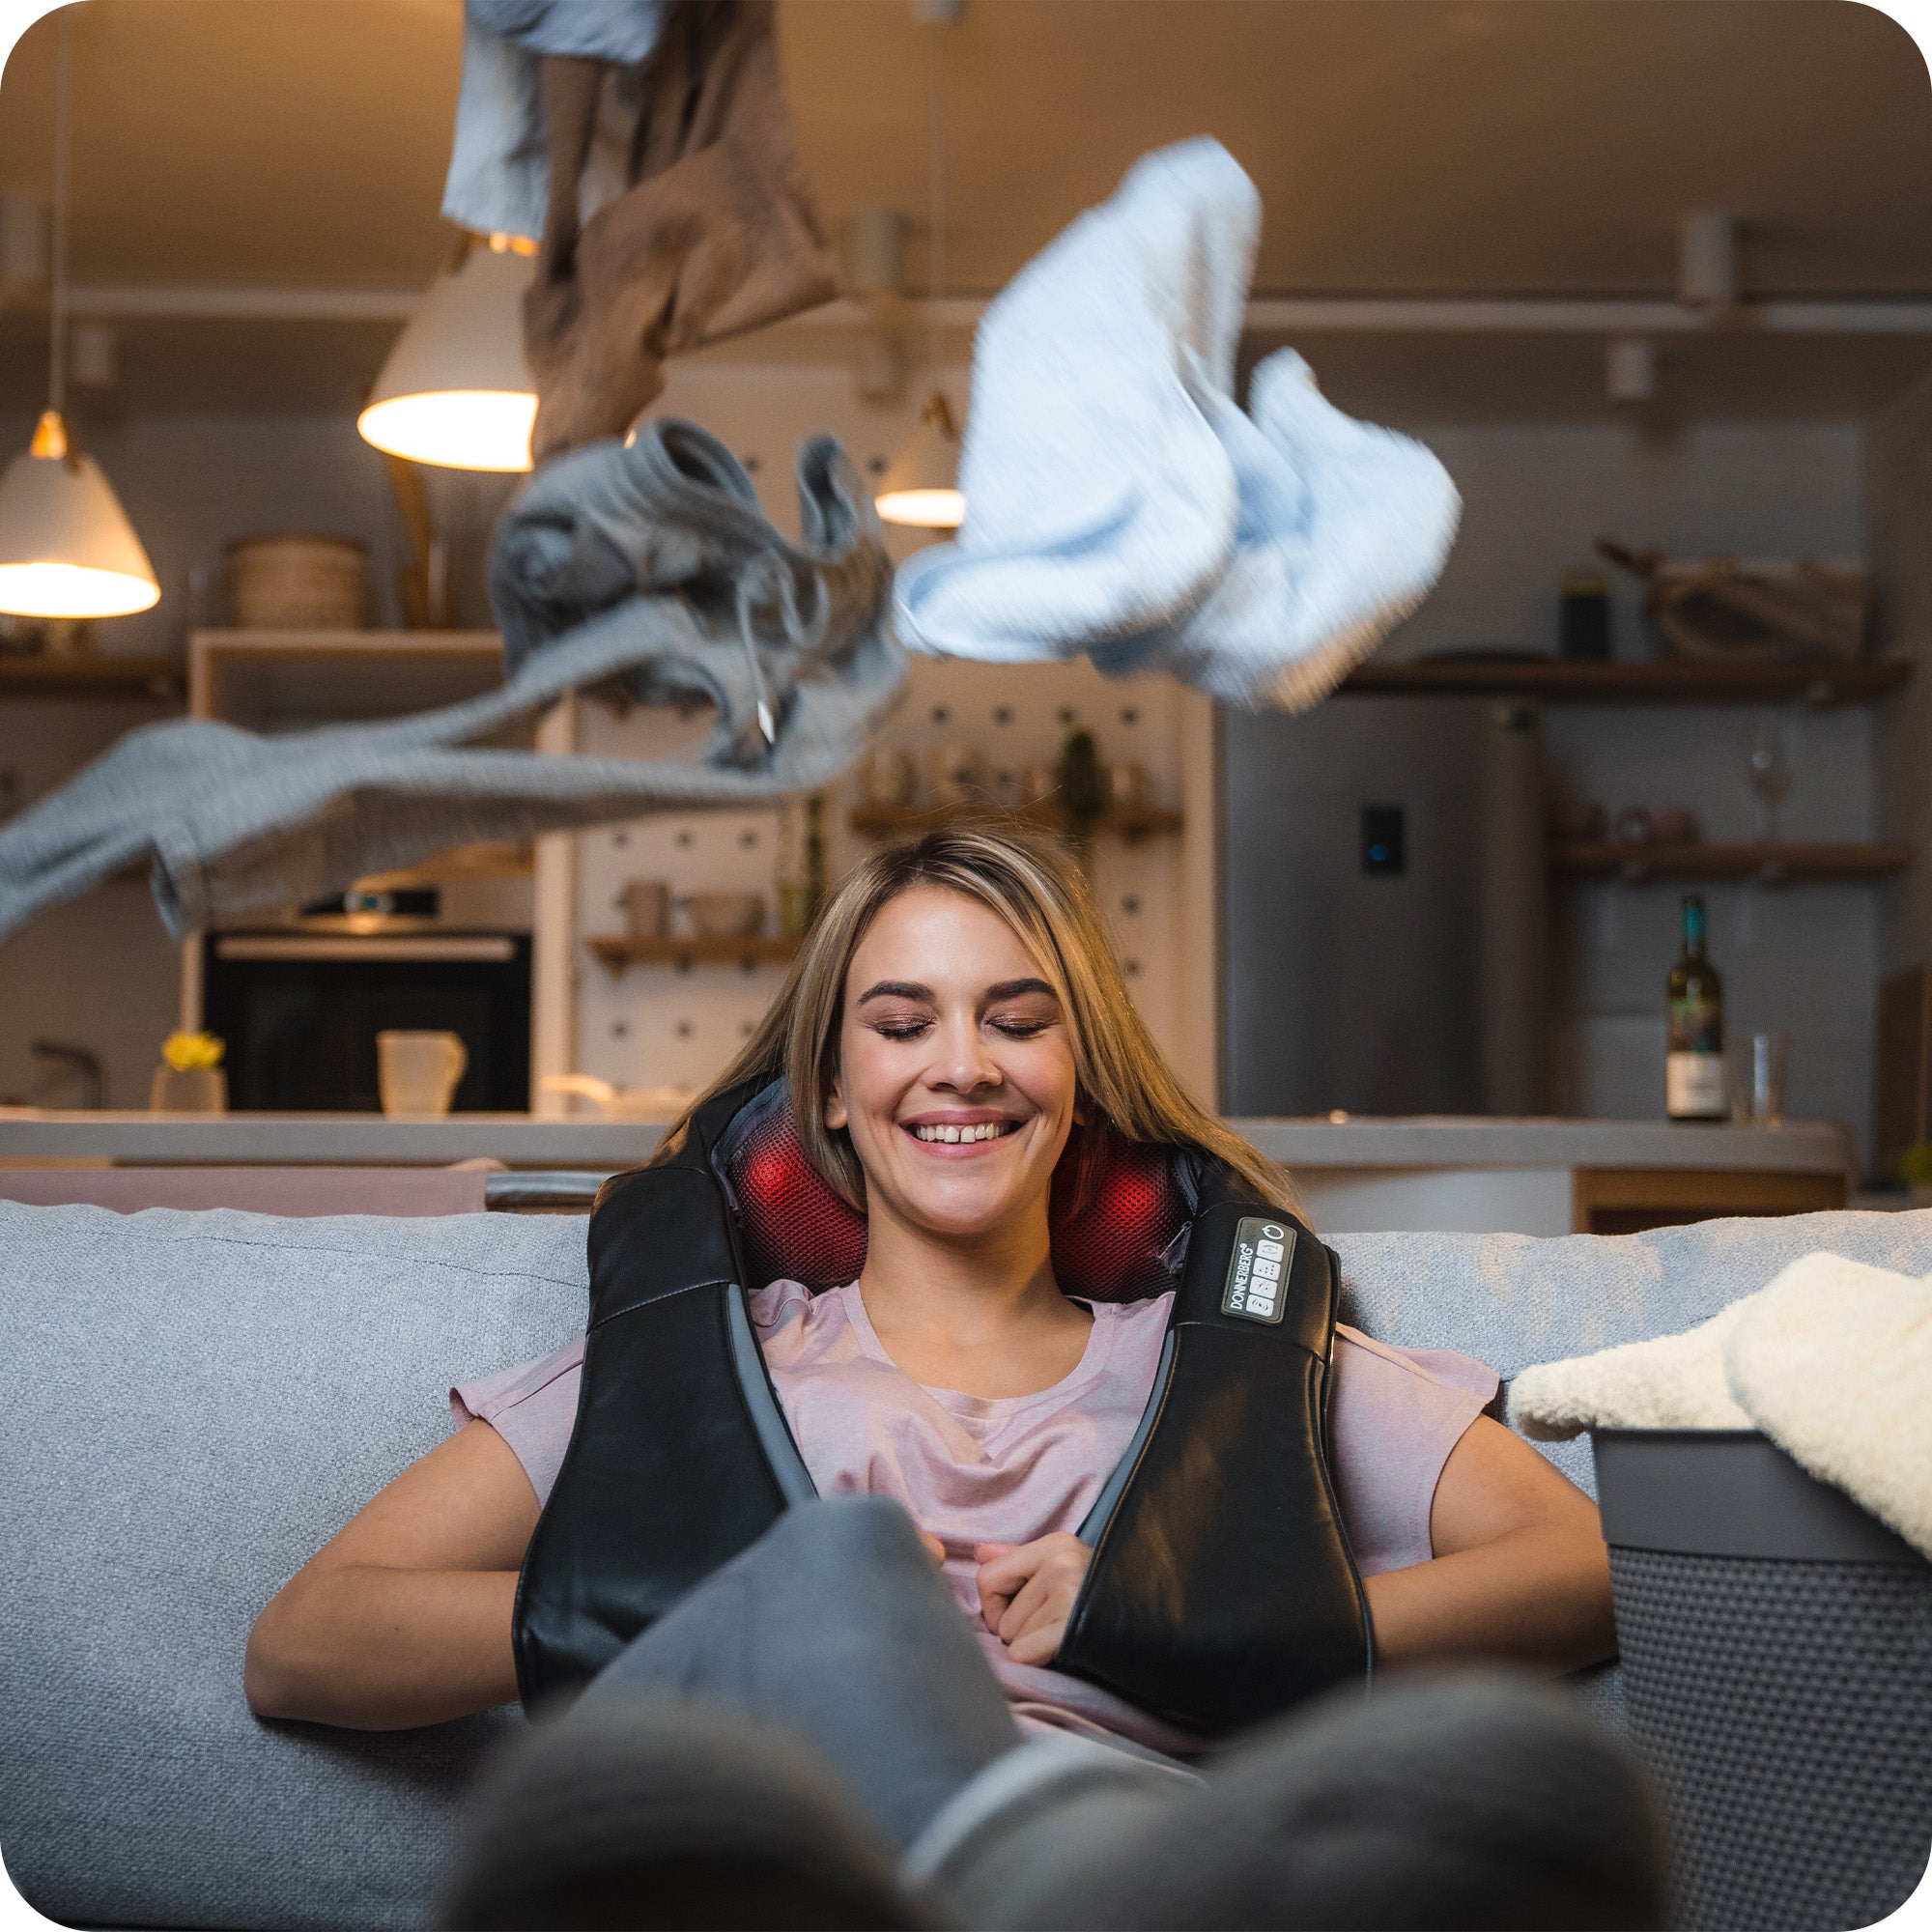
(1010, 989)
(895, 989)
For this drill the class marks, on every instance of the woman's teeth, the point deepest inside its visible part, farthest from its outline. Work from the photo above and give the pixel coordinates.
(986, 1130)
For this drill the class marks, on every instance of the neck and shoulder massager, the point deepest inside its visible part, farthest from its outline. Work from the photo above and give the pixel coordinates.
(1221, 1589)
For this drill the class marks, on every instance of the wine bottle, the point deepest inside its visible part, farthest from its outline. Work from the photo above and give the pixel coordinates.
(1694, 1082)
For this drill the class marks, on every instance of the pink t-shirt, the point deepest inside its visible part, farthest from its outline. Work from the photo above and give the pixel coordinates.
(1008, 1469)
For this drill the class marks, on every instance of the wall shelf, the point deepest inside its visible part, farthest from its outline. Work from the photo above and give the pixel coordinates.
(1665, 681)
(907, 821)
(277, 681)
(500, 860)
(1767, 863)
(614, 952)
(116, 680)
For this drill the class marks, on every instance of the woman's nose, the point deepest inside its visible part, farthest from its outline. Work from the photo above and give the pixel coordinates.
(964, 1062)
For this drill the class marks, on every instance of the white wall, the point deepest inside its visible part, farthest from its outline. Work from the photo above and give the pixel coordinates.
(1535, 498)
(1900, 485)
(1801, 958)
(189, 484)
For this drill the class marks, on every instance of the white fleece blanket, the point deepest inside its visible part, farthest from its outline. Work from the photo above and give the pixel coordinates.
(1832, 1361)
(1120, 505)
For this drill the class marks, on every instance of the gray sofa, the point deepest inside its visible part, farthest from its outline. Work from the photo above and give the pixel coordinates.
(191, 1403)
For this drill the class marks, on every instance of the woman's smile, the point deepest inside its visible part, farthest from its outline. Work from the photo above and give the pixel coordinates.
(958, 1134)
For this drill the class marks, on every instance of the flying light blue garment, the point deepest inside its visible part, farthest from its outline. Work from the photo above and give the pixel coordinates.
(653, 564)
(1119, 503)
(608, 30)
(498, 181)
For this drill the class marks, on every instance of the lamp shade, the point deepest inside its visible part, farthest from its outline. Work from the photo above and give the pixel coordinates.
(922, 487)
(455, 389)
(67, 549)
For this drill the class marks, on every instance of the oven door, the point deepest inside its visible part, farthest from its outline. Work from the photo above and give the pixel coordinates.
(300, 1012)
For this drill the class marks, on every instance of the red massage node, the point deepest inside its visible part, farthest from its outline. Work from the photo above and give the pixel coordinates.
(1109, 1235)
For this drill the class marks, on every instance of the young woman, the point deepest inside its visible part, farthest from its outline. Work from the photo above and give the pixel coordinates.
(953, 1013)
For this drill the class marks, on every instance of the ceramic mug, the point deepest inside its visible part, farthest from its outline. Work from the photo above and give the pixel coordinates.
(646, 904)
(418, 1071)
(726, 915)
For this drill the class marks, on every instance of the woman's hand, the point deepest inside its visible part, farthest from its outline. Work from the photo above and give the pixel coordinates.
(1027, 1592)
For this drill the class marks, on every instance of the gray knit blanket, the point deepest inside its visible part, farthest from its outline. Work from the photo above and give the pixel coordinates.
(653, 564)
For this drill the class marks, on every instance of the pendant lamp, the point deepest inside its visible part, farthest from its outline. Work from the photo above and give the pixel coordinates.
(455, 389)
(920, 485)
(67, 549)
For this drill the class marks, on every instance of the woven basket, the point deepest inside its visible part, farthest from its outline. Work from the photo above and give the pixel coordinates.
(296, 583)
(1777, 1665)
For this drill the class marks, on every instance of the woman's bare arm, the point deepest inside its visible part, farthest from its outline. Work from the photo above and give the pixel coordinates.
(404, 1617)
(1520, 1569)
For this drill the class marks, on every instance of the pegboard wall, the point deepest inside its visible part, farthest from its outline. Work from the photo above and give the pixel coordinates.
(1018, 715)
(659, 1025)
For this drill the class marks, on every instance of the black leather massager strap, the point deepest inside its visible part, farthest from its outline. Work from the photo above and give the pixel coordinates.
(680, 1457)
(1222, 1588)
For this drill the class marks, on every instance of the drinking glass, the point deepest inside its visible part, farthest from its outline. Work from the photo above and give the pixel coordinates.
(1769, 1068)
(1769, 773)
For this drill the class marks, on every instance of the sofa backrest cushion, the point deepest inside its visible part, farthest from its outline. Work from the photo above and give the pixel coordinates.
(190, 1405)
(1513, 1301)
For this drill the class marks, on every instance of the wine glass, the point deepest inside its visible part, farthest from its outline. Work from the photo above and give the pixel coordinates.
(1769, 773)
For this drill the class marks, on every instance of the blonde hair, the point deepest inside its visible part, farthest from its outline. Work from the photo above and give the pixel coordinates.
(1044, 897)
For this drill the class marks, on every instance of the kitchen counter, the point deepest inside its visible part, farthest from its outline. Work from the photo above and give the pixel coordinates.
(1461, 1140)
(1471, 1175)
(332, 1140)
(521, 1140)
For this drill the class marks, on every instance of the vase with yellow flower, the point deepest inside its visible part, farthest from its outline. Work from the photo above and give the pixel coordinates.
(189, 1080)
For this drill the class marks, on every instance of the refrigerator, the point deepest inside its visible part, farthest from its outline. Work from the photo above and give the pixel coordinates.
(1383, 930)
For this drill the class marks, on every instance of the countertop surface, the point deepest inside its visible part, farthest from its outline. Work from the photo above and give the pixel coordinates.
(519, 1140)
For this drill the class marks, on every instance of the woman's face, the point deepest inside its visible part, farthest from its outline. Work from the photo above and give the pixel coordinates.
(956, 1068)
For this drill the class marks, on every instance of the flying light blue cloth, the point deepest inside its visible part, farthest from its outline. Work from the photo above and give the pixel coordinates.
(1119, 503)
(608, 30)
(654, 563)
(498, 181)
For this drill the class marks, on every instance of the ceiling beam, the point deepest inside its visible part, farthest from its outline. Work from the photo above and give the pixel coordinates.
(239, 302)
(1267, 315)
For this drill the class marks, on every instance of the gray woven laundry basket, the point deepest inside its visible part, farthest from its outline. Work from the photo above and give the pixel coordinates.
(1778, 1665)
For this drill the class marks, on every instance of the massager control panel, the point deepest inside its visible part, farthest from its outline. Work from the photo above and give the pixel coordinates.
(1262, 1252)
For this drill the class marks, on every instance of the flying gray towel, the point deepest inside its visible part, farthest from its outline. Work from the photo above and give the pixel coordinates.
(653, 564)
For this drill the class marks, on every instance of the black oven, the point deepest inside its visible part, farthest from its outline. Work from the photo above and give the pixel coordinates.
(299, 1011)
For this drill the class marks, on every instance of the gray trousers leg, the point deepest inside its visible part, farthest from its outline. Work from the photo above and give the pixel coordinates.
(834, 1625)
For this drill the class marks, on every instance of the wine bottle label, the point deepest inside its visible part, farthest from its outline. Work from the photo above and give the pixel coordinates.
(1694, 1087)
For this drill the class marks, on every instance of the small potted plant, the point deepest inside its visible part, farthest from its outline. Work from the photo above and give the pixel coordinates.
(190, 1079)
